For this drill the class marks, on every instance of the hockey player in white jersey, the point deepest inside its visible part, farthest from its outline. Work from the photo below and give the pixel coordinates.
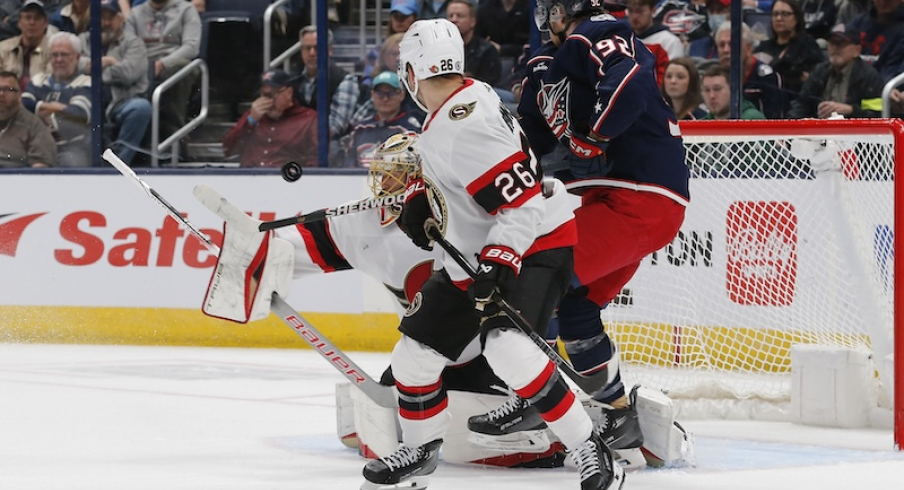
(481, 189)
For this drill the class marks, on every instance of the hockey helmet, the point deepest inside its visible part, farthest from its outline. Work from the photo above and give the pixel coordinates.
(431, 48)
(558, 10)
(395, 161)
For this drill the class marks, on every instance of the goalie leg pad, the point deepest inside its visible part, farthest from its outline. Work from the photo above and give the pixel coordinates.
(665, 442)
(251, 267)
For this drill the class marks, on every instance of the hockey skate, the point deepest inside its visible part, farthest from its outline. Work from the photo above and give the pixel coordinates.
(619, 429)
(514, 426)
(408, 468)
(597, 466)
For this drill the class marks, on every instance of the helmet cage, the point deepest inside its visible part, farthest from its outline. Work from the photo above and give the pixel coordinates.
(395, 162)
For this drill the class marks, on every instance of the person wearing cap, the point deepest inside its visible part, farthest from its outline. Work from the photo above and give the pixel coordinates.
(389, 118)
(845, 84)
(402, 13)
(481, 58)
(171, 31)
(276, 129)
(28, 54)
(124, 72)
(705, 46)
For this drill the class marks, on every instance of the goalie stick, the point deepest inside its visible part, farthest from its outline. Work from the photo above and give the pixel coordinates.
(322, 214)
(590, 384)
(381, 395)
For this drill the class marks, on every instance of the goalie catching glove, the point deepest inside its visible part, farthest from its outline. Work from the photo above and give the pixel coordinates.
(497, 272)
(252, 265)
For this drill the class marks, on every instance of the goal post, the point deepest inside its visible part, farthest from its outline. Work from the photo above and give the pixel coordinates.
(789, 239)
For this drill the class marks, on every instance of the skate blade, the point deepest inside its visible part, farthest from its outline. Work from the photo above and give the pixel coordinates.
(533, 441)
(414, 483)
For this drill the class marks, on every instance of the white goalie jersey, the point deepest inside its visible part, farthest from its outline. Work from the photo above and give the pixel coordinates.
(361, 241)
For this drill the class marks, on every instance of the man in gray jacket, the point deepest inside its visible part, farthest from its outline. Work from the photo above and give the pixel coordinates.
(171, 30)
(124, 74)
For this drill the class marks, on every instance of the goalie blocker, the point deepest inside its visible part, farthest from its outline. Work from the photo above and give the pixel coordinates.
(251, 266)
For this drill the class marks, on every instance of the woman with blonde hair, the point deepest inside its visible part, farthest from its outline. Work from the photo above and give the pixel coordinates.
(681, 88)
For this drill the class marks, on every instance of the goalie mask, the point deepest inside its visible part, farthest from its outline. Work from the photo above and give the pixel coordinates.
(395, 161)
(431, 48)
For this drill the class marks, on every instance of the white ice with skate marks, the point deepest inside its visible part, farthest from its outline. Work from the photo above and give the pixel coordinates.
(115, 417)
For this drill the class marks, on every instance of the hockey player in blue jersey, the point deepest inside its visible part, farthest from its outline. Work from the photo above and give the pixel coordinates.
(591, 107)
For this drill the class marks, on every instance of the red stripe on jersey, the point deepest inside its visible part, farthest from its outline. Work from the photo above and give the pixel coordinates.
(560, 409)
(612, 98)
(538, 383)
(463, 284)
(311, 247)
(566, 235)
(420, 390)
(490, 175)
(424, 414)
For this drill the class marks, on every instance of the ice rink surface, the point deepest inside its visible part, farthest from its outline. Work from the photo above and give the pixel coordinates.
(170, 418)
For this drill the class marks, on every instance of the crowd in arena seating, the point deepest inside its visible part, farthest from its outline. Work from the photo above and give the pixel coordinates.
(800, 59)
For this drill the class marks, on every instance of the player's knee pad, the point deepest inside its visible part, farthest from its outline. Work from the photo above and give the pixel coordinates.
(415, 364)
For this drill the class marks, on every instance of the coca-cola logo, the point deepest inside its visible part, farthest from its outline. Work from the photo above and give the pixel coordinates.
(761, 266)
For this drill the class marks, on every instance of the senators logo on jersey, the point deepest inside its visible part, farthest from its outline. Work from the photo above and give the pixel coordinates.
(437, 204)
(461, 111)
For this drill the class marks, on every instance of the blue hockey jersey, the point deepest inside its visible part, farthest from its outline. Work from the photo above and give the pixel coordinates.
(601, 79)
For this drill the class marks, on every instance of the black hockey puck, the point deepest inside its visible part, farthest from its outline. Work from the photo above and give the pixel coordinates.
(291, 171)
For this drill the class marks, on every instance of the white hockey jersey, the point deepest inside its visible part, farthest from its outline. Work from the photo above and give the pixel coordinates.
(483, 180)
(360, 241)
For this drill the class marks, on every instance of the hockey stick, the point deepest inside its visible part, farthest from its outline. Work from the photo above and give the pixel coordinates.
(381, 395)
(322, 214)
(590, 384)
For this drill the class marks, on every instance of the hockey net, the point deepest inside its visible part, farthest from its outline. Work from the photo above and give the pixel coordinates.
(789, 239)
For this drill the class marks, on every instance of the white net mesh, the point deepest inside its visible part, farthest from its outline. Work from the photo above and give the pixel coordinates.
(788, 239)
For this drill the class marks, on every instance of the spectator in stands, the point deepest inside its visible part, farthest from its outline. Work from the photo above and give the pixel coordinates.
(818, 16)
(762, 85)
(25, 141)
(386, 58)
(845, 84)
(171, 30)
(276, 129)
(790, 51)
(62, 99)
(881, 31)
(74, 17)
(717, 96)
(124, 65)
(681, 88)
(705, 46)
(402, 13)
(389, 118)
(9, 17)
(344, 89)
(432, 9)
(506, 24)
(389, 61)
(28, 54)
(481, 58)
(657, 37)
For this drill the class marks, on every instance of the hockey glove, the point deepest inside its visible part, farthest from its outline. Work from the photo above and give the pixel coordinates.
(586, 156)
(497, 272)
(415, 214)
